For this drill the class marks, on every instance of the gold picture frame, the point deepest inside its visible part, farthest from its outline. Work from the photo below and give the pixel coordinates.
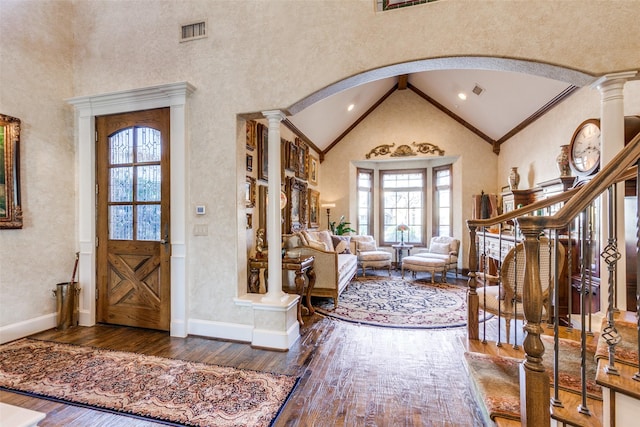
(250, 192)
(303, 155)
(251, 135)
(314, 209)
(10, 205)
(313, 169)
(297, 203)
(263, 194)
(263, 152)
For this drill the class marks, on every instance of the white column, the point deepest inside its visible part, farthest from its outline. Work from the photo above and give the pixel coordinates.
(274, 220)
(612, 141)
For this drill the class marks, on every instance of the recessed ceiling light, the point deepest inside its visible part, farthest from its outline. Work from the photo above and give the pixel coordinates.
(350, 107)
(462, 95)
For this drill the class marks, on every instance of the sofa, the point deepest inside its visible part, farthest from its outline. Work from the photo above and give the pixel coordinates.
(335, 261)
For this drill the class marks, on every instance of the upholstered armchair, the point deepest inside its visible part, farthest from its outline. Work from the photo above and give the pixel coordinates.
(445, 248)
(369, 255)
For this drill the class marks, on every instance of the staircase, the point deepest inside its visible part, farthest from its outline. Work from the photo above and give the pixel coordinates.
(597, 367)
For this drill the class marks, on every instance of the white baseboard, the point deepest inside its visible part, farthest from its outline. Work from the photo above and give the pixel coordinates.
(25, 328)
(264, 338)
(222, 330)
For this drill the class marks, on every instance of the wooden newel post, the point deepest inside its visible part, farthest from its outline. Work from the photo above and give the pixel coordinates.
(472, 295)
(534, 380)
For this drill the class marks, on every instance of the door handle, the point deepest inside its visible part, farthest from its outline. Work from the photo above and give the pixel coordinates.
(165, 239)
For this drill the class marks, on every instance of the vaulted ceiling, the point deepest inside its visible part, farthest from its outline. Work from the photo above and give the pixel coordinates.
(498, 104)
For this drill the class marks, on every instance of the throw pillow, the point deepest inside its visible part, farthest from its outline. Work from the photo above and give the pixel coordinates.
(325, 237)
(341, 244)
(439, 248)
(366, 246)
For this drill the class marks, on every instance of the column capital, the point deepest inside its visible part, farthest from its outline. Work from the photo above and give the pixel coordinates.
(274, 115)
(613, 78)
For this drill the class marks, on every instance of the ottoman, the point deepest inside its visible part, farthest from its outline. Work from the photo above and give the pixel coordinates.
(420, 263)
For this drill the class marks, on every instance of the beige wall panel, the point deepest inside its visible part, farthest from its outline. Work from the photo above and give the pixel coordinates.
(36, 73)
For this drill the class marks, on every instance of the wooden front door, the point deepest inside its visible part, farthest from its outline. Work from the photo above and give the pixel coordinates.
(133, 254)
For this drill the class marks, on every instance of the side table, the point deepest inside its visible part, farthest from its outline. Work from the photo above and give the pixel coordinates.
(399, 252)
(302, 267)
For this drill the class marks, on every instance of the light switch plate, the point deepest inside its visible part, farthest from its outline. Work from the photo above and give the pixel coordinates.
(200, 230)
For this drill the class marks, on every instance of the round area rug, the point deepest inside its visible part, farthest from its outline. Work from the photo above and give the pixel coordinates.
(399, 304)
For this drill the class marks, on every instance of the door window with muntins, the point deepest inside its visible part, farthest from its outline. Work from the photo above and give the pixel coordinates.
(134, 184)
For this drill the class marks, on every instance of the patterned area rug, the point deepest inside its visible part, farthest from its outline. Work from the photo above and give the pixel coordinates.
(399, 303)
(167, 390)
(626, 349)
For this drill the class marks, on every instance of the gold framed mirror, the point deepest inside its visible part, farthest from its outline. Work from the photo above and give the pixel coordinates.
(10, 206)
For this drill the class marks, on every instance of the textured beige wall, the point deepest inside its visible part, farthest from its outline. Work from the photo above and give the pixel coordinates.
(36, 75)
(259, 55)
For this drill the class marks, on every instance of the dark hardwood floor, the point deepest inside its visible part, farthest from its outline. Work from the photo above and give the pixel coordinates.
(351, 375)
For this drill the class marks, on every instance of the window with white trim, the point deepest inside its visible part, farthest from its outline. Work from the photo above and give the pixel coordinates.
(365, 202)
(402, 201)
(442, 212)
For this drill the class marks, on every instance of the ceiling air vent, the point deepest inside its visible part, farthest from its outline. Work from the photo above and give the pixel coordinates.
(193, 31)
(477, 90)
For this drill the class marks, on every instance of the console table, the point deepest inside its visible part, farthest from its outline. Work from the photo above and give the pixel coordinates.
(302, 267)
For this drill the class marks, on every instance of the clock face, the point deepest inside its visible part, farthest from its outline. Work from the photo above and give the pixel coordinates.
(585, 148)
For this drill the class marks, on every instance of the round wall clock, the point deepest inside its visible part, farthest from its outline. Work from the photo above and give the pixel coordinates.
(584, 149)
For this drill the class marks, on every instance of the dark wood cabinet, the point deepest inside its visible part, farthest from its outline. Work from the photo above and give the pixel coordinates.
(592, 298)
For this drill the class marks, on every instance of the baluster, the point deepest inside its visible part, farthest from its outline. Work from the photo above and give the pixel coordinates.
(516, 346)
(611, 255)
(586, 257)
(472, 296)
(555, 400)
(534, 380)
(552, 305)
(485, 267)
(636, 376)
(499, 274)
(590, 243)
(569, 271)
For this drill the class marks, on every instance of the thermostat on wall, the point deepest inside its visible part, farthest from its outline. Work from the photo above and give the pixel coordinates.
(200, 210)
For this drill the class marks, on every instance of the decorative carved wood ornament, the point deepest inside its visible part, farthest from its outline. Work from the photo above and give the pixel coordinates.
(405, 150)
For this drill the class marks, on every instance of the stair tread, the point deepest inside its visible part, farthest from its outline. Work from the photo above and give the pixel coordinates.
(569, 412)
(504, 422)
(623, 383)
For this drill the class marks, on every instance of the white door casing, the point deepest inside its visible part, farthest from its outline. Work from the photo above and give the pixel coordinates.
(174, 96)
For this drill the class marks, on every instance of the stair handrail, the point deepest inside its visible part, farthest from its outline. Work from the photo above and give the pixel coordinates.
(629, 173)
(531, 207)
